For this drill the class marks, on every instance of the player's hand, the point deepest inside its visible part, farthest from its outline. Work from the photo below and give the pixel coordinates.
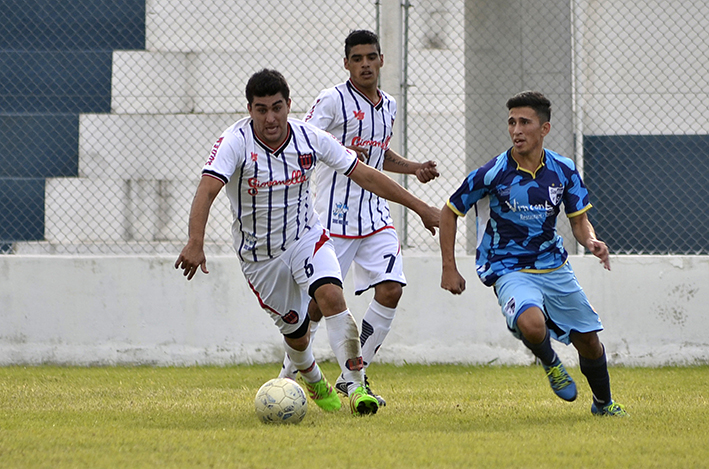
(191, 258)
(452, 281)
(362, 153)
(427, 172)
(431, 218)
(600, 250)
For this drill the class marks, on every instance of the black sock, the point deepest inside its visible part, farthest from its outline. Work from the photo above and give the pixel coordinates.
(543, 351)
(596, 372)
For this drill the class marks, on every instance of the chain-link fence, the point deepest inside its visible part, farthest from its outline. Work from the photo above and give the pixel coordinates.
(109, 108)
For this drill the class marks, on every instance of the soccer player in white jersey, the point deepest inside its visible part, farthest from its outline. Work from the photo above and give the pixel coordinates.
(517, 197)
(361, 117)
(265, 162)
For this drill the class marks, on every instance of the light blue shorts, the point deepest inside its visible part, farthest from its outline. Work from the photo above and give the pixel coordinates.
(559, 296)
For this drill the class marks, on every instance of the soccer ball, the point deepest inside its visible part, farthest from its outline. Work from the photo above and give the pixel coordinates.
(281, 400)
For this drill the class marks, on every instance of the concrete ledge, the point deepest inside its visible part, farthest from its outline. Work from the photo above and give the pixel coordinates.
(94, 310)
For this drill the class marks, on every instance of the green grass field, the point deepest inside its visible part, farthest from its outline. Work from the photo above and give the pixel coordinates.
(437, 416)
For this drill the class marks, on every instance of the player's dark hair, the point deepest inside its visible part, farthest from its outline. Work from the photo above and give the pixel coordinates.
(534, 99)
(266, 83)
(358, 37)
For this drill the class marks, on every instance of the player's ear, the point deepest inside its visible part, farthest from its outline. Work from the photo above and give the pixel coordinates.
(546, 127)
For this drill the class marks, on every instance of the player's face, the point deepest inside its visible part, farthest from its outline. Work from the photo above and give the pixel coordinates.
(363, 64)
(526, 131)
(270, 115)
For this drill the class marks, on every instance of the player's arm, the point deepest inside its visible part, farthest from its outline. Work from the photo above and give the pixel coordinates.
(451, 279)
(395, 163)
(585, 234)
(192, 255)
(375, 181)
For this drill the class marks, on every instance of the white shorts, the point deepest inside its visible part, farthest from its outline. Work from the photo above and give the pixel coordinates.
(377, 258)
(281, 284)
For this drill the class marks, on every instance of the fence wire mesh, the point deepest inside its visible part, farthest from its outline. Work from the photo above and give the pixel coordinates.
(109, 108)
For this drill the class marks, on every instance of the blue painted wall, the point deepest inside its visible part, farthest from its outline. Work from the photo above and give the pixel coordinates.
(650, 192)
(55, 63)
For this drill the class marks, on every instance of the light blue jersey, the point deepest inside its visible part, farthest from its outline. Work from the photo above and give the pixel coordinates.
(516, 213)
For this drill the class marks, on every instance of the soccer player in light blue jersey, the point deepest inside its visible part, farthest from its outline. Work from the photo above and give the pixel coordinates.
(517, 197)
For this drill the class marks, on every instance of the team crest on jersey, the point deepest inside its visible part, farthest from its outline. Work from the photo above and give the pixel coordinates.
(254, 156)
(555, 194)
(359, 115)
(306, 161)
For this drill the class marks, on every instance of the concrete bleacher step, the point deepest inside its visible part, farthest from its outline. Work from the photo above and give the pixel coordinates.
(94, 210)
(172, 146)
(210, 82)
(222, 25)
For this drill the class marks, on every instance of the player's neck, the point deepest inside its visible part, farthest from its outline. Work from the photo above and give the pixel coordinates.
(529, 161)
(371, 92)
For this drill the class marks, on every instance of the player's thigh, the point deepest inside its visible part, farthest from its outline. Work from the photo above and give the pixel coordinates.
(377, 260)
(313, 261)
(516, 292)
(278, 293)
(346, 249)
(568, 306)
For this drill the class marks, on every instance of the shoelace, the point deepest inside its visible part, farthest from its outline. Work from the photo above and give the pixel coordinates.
(558, 378)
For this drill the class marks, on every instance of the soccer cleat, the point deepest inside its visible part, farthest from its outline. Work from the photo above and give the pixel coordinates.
(380, 399)
(613, 410)
(342, 387)
(361, 403)
(324, 396)
(560, 381)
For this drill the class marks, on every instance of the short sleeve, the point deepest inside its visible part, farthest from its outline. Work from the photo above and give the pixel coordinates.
(226, 155)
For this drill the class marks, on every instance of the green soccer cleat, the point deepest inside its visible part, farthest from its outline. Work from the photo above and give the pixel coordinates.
(362, 403)
(560, 381)
(342, 387)
(324, 396)
(612, 410)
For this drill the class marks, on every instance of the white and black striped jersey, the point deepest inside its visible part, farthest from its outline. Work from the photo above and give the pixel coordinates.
(269, 188)
(345, 208)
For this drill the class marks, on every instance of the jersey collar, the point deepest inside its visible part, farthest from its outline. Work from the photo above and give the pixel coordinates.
(378, 105)
(275, 151)
(534, 173)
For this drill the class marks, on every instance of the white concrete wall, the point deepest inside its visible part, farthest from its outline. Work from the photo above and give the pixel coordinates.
(90, 310)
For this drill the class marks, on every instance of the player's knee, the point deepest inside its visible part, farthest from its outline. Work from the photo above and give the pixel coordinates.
(531, 325)
(588, 344)
(388, 294)
(314, 312)
(330, 298)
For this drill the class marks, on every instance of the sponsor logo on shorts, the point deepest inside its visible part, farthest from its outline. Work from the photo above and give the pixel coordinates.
(291, 317)
(509, 308)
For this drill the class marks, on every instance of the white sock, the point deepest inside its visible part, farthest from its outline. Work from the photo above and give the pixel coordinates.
(376, 324)
(288, 370)
(304, 362)
(344, 341)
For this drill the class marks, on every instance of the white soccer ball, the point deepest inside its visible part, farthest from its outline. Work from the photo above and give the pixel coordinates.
(281, 400)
